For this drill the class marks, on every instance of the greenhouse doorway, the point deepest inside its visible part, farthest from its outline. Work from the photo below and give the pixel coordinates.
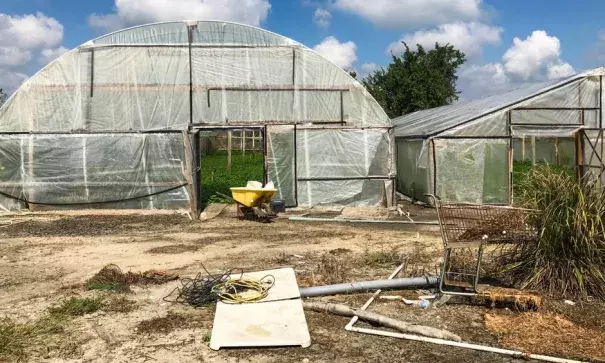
(529, 151)
(229, 157)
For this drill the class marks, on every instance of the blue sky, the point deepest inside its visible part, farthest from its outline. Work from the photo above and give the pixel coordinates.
(555, 38)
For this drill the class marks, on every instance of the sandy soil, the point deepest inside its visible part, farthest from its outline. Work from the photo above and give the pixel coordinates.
(46, 258)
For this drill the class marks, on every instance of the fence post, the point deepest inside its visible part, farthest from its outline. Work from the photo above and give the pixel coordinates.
(229, 150)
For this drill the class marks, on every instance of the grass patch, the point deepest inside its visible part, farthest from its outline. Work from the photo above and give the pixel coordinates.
(569, 259)
(522, 171)
(19, 340)
(76, 306)
(217, 178)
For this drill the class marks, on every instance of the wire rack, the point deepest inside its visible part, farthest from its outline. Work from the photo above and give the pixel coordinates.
(466, 223)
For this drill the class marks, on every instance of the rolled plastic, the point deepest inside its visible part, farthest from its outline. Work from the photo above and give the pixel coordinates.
(364, 286)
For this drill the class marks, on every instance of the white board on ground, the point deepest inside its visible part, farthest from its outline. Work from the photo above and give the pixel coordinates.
(285, 286)
(276, 321)
(269, 324)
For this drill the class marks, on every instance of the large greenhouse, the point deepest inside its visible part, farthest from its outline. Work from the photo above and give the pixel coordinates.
(115, 123)
(473, 151)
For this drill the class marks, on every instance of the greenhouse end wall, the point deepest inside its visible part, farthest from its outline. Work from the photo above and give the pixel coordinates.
(115, 122)
(460, 170)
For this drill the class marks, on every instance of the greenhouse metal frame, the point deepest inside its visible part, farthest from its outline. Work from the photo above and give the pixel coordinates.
(115, 123)
(467, 151)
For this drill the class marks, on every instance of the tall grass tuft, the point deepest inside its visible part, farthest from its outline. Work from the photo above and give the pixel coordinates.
(569, 258)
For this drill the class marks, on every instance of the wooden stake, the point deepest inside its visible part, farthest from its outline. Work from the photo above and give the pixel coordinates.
(229, 150)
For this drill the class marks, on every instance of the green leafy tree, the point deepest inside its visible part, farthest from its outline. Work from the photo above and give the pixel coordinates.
(417, 80)
(353, 74)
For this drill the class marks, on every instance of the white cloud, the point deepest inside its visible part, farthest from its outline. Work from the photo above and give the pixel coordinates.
(468, 37)
(536, 58)
(48, 55)
(476, 81)
(13, 56)
(10, 81)
(134, 12)
(30, 31)
(23, 37)
(368, 68)
(322, 18)
(412, 13)
(343, 55)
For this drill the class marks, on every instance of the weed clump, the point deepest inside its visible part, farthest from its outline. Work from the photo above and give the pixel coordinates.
(569, 258)
(77, 306)
(111, 278)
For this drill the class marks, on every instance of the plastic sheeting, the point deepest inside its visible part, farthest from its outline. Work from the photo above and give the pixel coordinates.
(165, 76)
(472, 171)
(488, 116)
(413, 180)
(72, 170)
(320, 158)
(472, 138)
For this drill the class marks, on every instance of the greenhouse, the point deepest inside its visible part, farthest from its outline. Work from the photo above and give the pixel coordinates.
(115, 123)
(474, 151)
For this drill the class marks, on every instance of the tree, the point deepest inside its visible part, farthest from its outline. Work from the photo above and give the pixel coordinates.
(417, 80)
(3, 97)
(353, 74)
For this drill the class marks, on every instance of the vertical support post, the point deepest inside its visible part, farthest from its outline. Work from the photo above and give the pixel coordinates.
(254, 140)
(533, 150)
(229, 134)
(92, 71)
(31, 173)
(243, 135)
(190, 41)
(557, 157)
(511, 157)
(189, 167)
(85, 167)
(265, 155)
(296, 166)
(342, 108)
(601, 123)
(434, 168)
(197, 171)
(579, 154)
(523, 148)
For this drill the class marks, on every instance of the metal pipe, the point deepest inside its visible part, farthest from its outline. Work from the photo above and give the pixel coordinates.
(478, 347)
(369, 285)
(310, 219)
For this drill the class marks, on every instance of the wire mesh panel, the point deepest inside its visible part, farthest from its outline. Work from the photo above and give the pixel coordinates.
(466, 223)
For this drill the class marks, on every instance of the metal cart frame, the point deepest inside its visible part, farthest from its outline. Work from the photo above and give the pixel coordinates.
(465, 225)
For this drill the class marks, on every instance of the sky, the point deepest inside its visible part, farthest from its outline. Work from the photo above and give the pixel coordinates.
(507, 42)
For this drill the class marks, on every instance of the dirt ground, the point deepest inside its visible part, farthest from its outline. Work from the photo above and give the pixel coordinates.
(46, 258)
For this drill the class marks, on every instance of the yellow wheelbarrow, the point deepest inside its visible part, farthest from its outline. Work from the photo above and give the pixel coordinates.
(253, 203)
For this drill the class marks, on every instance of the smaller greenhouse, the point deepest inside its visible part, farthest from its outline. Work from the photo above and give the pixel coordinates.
(473, 151)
